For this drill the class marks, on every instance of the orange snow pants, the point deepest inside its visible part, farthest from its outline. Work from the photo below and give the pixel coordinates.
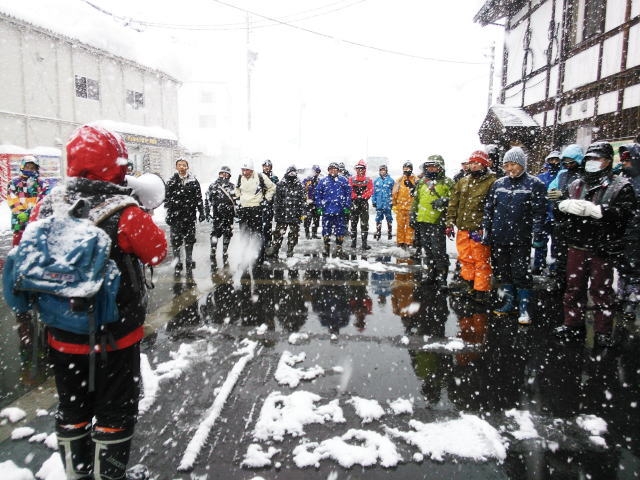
(404, 232)
(474, 259)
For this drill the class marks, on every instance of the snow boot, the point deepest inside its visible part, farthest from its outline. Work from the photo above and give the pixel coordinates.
(364, 241)
(76, 451)
(190, 264)
(111, 454)
(354, 238)
(378, 234)
(306, 234)
(314, 233)
(339, 251)
(290, 248)
(508, 298)
(327, 246)
(524, 296)
(389, 231)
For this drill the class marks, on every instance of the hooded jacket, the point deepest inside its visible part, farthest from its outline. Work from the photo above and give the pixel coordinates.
(289, 202)
(466, 203)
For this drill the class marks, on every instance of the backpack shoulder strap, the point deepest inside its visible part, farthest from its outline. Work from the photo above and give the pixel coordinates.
(263, 187)
(111, 205)
(239, 180)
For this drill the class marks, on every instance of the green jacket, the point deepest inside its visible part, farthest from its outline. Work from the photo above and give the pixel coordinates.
(466, 205)
(426, 192)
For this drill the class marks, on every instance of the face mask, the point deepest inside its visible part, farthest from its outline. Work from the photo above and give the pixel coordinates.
(554, 168)
(592, 166)
(408, 172)
(431, 175)
(476, 173)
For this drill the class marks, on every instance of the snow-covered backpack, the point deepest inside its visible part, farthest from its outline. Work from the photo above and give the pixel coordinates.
(61, 268)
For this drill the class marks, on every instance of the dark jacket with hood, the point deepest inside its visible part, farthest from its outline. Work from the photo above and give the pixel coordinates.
(220, 202)
(290, 200)
(183, 199)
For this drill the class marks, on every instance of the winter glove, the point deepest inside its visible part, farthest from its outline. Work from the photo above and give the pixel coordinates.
(582, 208)
(319, 211)
(450, 232)
(22, 217)
(440, 203)
(407, 183)
(476, 235)
(346, 211)
(593, 210)
(302, 218)
(554, 194)
(202, 217)
(309, 201)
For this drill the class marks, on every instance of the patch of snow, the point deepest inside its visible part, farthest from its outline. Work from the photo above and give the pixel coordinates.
(452, 344)
(371, 448)
(52, 469)
(10, 471)
(246, 353)
(258, 458)
(368, 410)
(468, 437)
(13, 414)
(287, 374)
(296, 338)
(38, 437)
(288, 414)
(401, 405)
(51, 441)
(592, 424)
(525, 424)
(22, 432)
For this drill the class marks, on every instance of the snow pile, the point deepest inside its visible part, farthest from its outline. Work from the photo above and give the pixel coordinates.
(258, 458)
(287, 374)
(288, 414)
(21, 432)
(401, 405)
(467, 437)
(296, 338)
(596, 426)
(13, 414)
(367, 410)
(10, 471)
(369, 448)
(527, 429)
(52, 469)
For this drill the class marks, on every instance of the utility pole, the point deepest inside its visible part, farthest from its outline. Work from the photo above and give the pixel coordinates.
(492, 60)
(250, 59)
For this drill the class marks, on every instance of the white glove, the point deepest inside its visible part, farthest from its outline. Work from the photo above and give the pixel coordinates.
(554, 194)
(593, 210)
(574, 207)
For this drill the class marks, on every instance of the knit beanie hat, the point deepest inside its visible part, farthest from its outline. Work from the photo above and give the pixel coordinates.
(515, 155)
(480, 157)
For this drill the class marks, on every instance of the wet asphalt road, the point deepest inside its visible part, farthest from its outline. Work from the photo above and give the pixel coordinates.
(375, 324)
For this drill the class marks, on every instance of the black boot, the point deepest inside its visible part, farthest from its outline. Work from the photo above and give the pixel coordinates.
(389, 234)
(189, 258)
(378, 234)
(76, 451)
(314, 233)
(327, 246)
(365, 246)
(111, 454)
(306, 234)
(354, 237)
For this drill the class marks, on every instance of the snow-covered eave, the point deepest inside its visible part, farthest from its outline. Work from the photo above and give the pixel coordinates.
(493, 10)
(130, 128)
(78, 43)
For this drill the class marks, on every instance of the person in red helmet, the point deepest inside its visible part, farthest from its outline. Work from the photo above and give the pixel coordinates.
(361, 191)
(94, 428)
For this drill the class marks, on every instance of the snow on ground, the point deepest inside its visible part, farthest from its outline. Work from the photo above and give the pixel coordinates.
(368, 410)
(467, 437)
(287, 374)
(525, 424)
(13, 414)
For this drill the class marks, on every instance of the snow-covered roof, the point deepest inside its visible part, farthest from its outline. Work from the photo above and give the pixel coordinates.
(493, 10)
(513, 116)
(81, 21)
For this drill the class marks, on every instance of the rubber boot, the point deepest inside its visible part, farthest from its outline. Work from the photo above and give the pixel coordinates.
(111, 454)
(389, 231)
(76, 451)
(225, 249)
(177, 269)
(314, 233)
(290, 247)
(188, 260)
(339, 251)
(212, 254)
(508, 298)
(364, 236)
(524, 296)
(306, 234)
(354, 238)
(327, 246)
(378, 233)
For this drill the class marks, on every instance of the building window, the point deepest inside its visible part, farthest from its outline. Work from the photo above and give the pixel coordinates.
(207, 121)
(87, 88)
(135, 99)
(587, 19)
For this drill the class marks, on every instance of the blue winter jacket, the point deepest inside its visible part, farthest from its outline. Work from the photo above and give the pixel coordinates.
(333, 195)
(514, 211)
(382, 187)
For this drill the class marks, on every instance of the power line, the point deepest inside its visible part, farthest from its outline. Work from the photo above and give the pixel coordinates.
(350, 42)
(276, 21)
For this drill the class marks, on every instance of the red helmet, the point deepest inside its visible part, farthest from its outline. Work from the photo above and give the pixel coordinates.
(361, 164)
(97, 154)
